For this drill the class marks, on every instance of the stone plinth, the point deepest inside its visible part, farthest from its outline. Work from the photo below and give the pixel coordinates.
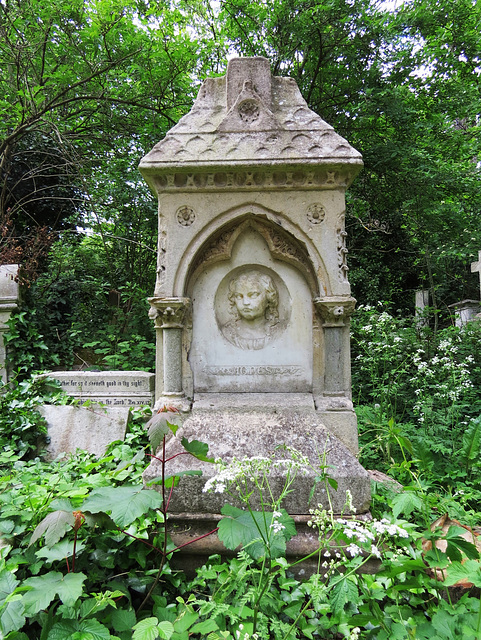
(112, 388)
(71, 428)
(465, 311)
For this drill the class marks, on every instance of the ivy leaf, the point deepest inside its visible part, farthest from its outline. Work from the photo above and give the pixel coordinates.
(126, 504)
(53, 527)
(45, 588)
(197, 448)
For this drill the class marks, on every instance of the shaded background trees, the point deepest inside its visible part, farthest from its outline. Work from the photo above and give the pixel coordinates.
(90, 87)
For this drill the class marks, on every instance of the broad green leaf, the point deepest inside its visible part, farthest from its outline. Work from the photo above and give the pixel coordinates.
(123, 619)
(45, 588)
(198, 449)
(174, 479)
(166, 629)
(161, 425)
(345, 591)
(8, 582)
(146, 629)
(445, 624)
(11, 617)
(53, 527)
(469, 571)
(60, 551)
(405, 502)
(253, 531)
(471, 450)
(126, 504)
(204, 627)
(89, 629)
(185, 621)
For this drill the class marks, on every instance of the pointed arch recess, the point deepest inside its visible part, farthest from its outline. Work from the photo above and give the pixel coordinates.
(286, 242)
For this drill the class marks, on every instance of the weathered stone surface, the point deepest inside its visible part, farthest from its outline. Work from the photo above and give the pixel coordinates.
(112, 388)
(234, 429)
(252, 301)
(9, 297)
(249, 118)
(71, 428)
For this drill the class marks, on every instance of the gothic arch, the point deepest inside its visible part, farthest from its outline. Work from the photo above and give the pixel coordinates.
(286, 242)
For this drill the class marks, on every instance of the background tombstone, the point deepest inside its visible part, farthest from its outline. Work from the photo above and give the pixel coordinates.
(9, 298)
(421, 302)
(252, 299)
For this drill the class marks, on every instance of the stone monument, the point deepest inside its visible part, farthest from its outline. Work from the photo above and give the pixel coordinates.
(9, 298)
(252, 300)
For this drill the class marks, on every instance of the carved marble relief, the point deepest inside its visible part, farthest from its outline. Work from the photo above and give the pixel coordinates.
(252, 303)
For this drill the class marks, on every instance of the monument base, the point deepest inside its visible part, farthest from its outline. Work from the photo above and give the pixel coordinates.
(187, 528)
(248, 424)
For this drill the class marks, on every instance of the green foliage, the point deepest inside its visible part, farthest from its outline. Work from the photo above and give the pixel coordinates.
(22, 428)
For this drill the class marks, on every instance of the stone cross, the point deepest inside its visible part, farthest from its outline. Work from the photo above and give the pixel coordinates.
(476, 266)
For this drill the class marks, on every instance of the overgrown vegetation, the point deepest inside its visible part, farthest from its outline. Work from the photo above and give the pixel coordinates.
(87, 553)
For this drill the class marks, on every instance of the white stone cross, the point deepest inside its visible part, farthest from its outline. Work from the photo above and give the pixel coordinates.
(476, 266)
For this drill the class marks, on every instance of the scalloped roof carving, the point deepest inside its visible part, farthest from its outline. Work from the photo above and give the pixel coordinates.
(249, 118)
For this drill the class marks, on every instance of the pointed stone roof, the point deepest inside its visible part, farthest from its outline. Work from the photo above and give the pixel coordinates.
(248, 118)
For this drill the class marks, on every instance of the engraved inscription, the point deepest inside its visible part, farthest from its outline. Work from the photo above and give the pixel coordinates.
(253, 301)
(254, 370)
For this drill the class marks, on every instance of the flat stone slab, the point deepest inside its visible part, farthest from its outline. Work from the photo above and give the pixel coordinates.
(70, 428)
(256, 430)
(112, 388)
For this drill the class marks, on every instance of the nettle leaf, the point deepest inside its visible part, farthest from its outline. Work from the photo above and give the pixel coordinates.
(126, 504)
(53, 527)
(197, 448)
(45, 588)
(252, 530)
(174, 479)
(405, 502)
(343, 592)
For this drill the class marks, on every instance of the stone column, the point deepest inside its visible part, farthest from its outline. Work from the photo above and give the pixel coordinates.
(335, 402)
(169, 316)
(9, 297)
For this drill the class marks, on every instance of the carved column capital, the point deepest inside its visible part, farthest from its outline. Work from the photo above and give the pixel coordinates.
(168, 313)
(334, 311)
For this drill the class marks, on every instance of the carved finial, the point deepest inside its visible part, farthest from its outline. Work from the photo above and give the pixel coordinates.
(253, 74)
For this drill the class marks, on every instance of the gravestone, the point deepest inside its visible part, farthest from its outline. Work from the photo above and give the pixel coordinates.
(421, 302)
(465, 311)
(9, 298)
(71, 428)
(111, 388)
(252, 299)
